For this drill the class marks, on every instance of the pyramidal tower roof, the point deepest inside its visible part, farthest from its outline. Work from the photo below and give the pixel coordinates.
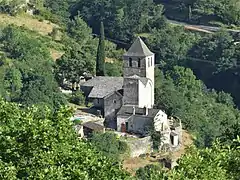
(138, 48)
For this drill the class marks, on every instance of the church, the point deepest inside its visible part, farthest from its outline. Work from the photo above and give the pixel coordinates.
(127, 103)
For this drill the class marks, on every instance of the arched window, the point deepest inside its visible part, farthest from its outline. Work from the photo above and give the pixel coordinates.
(130, 62)
(139, 62)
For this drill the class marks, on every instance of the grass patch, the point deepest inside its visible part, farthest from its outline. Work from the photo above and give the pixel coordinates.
(44, 27)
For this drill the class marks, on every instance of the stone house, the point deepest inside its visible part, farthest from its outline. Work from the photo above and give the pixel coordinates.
(105, 93)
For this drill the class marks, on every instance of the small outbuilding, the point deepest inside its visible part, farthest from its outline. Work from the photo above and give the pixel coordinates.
(174, 138)
(90, 127)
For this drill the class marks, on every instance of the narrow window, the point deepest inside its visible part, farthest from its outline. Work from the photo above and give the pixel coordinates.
(148, 62)
(130, 62)
(151, 61)
(139, 62)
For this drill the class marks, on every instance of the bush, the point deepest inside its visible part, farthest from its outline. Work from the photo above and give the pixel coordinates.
(77, 98)
(54, 33)
(150, 172)
(47, 15)
(113, 69)
(156, 139)
(109, 144)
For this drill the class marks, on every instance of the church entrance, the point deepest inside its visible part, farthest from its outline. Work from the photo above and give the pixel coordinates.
(123, 127)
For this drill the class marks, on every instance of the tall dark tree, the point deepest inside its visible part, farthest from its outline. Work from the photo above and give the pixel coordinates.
(100, 64)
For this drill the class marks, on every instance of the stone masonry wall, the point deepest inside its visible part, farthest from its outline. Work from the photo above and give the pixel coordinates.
(140, 146)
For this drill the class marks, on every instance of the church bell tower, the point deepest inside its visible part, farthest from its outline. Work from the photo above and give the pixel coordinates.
(139, 62)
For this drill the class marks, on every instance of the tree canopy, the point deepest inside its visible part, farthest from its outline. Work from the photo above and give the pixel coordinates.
(45, 146)
(206, 113)
(27, 70)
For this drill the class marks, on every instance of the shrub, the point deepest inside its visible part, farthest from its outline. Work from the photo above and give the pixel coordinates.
(54, 33)
(77, 98)
(156, 139)
(109, 144)
(113, 69)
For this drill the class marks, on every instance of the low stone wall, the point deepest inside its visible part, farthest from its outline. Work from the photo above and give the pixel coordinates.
(138, 146)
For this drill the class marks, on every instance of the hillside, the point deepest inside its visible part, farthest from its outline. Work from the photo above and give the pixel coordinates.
(37, 140)
(42, 27)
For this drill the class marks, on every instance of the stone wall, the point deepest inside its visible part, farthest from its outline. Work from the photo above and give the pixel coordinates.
(139, 124)
(130, 91)
(138, 146)
(130, 71)
(98, 103)
(112, 104)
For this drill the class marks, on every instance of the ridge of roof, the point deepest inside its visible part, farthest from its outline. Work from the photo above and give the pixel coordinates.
(144, 80)
(138, 48)
(103, 85)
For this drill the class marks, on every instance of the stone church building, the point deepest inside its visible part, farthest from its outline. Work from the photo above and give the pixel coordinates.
(127, 102)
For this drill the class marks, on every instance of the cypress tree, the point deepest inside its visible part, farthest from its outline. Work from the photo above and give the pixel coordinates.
(100, 64)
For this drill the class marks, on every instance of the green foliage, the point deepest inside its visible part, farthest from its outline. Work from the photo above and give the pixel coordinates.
(108, 144)
(13, 83)
(44, 146)
(122, 18)
(100, 62)
(203, 11)
(156, 139)
(54, 33)
(202, 111)
(27, 70)
(79, 31)
(217, 162)
(112, 51)
(46, 14)
(218, 48)
(80, 52)
(11, 6)
(72, 65)
(114, 69)
(77, 98)
(227, 11)
(152, 172)
(171, 44)
(59, 8)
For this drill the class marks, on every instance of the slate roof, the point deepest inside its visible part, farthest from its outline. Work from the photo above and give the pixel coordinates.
(144, 80)
(103, 86)
(139, 49)
(94, 126)
(127, 110)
